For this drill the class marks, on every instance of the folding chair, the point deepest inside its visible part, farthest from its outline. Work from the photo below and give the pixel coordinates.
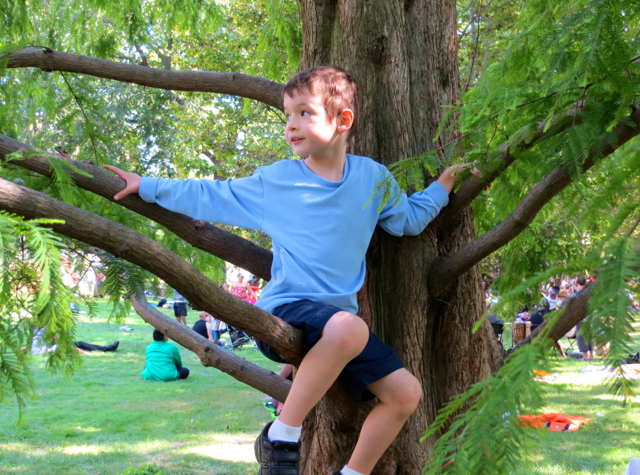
(571, 339)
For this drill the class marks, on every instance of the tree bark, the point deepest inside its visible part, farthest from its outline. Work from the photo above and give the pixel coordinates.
(212, 355)
(243, 85)
(128, 244)
(200, 234)
(404, 58)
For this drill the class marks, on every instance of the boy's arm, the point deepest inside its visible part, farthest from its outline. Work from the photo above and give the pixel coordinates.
(414, 213)
(236, 202)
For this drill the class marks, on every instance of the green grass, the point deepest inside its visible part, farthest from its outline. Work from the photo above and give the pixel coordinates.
(107, 419)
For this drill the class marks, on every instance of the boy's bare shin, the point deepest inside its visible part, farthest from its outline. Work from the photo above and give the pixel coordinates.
(399, 394)
(343, 338)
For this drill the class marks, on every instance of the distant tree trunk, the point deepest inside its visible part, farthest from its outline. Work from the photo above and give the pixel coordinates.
(404, 57)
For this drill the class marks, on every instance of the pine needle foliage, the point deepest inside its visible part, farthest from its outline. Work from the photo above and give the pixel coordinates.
(32, 296)
(479, 431)
(570, 64)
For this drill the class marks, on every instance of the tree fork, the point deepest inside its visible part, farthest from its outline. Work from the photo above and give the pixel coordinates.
(448, 269)
(471, 188)
(152, 256)
(200, 234)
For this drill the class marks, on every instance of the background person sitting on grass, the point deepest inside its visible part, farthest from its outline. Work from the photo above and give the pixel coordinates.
(163, 360)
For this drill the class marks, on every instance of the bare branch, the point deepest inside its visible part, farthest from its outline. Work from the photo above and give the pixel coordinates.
(447, 270)
(143, 56)
(243, 85)
(128, 244)
(211, 354)
(200, 234)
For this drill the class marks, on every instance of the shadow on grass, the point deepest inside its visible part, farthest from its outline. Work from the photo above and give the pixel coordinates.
(58, 460)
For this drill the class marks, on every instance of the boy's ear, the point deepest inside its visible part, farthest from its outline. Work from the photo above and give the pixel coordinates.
(345, 120)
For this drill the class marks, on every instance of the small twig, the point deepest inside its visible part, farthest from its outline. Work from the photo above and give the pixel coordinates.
(574, 225)
(8, 53)
(579, 191)
(278, 114)
(492, 137)
(473, 59)
(143, 56)
(93, 140)
(634, 227)
(532, 101)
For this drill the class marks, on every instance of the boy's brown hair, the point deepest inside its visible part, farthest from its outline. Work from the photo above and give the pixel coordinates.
(334, 85)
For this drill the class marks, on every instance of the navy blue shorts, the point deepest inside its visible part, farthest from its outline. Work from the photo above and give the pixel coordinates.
(376, 361)
(180, 309)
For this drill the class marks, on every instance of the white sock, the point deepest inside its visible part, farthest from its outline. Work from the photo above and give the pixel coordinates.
(348, 471)
(284, 433)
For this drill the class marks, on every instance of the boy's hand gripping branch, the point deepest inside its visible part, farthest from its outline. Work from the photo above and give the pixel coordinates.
(132, 180)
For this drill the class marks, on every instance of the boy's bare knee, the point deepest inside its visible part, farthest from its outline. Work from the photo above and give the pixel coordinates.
(348, 333)
(407, 396)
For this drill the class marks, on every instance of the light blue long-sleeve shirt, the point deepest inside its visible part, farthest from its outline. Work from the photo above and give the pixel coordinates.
(320, 229)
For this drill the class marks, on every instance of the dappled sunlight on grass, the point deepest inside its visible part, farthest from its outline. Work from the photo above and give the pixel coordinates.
(601, 447)
(619, 399)
(107, 419)
(229, 452)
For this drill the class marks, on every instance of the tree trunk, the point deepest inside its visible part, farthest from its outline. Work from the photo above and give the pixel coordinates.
(404, 58)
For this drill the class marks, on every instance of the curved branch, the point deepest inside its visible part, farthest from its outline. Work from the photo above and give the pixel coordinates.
(243, 85)
(471, 188)
(200, 234)
(211, 354)
(576, 311)
(128, 244)
(447, 270)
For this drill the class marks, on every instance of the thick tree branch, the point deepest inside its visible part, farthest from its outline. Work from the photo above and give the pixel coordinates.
(200, 234)
(211, 354)
(243, 85)
(128, 244)
(576, 311)
(471, 188)
(447, 270)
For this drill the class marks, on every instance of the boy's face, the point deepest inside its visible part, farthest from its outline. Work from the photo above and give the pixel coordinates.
(309, 130)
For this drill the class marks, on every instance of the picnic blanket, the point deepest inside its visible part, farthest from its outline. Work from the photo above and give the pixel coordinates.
(555, 422)
(630, 371)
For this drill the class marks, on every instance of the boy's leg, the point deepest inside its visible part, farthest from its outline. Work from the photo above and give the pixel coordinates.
(343, 338)
(398, 396)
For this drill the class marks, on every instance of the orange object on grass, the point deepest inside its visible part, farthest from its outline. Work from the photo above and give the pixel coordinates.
(555, 422)
(540, 373)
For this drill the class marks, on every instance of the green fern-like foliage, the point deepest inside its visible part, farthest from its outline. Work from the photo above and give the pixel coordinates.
(571, 64)
(32, 296)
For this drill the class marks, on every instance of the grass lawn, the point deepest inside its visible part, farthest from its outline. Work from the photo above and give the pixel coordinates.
(107, 419)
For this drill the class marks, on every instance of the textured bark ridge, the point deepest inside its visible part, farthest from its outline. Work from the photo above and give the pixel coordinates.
(404, 58)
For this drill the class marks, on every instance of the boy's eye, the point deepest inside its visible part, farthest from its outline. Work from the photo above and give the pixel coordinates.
(305, 113)
(287, 116)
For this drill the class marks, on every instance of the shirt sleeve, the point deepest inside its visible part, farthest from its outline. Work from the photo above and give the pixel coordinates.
(412, 214)
(235, 202)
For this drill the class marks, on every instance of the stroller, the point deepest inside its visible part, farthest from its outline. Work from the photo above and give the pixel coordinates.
(237, 339)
